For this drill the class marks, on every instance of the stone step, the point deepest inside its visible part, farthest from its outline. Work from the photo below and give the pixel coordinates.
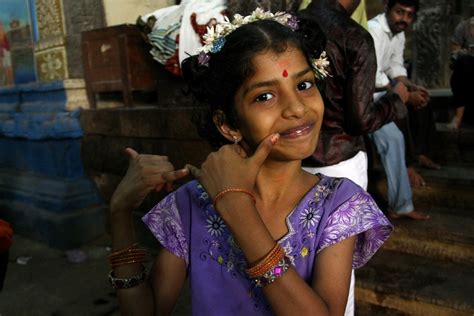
(450, 175)
(448, 235)
(454, 147)
(413, 285)
(452, 196)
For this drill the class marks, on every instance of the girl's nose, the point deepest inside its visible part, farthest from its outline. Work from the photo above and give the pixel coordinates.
(294, 108)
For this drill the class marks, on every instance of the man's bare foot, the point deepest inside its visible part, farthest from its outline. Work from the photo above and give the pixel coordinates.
(418, 216)
(416, 180)
(426, 162)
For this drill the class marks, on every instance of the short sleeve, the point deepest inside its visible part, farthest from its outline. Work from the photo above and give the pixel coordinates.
(358, 216)
(165, 223)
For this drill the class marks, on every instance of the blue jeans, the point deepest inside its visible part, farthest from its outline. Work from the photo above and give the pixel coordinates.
(391, 148)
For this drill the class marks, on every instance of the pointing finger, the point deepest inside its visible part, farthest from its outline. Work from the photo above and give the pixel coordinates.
(264, 149)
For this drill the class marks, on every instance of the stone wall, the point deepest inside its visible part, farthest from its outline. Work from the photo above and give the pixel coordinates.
(83, 16)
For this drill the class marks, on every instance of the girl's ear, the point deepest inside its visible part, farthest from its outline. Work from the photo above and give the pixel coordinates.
(231, 134)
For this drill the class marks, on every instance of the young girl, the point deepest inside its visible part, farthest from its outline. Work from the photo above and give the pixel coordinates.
(255, 234)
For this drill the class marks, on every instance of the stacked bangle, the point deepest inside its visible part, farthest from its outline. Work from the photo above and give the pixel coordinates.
(129, 255)
(274, 273)
(270, 268)
(220, 194)
(265, 264)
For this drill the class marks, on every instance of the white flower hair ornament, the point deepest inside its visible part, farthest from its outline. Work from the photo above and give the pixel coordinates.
(215, 37)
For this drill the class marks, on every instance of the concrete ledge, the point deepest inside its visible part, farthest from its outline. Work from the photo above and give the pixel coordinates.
(58, 158)
(63, 231)
(56, 195)
(104, 154)
(152, 122)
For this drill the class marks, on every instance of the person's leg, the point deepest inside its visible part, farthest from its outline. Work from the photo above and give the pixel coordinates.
(391, 147)
(461, 86)
(416, 180)
(404, 127)
(423, 130)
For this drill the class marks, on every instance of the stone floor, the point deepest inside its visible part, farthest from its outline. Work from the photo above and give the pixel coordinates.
(48, 284)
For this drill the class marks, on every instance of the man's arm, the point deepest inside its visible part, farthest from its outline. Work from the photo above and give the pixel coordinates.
(382, 82)
(362, 115)
(396, 63)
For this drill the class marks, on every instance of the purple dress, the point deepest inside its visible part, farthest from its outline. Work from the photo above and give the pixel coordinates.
(186, 224)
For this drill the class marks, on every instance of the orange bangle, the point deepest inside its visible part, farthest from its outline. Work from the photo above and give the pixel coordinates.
(124, 250)
(220, 194)
(265, 264)
(128, 255)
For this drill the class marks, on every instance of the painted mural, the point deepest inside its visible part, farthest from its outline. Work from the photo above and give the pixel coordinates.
(16, 42)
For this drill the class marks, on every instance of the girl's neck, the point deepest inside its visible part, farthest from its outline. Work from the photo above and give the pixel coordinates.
(277, 180)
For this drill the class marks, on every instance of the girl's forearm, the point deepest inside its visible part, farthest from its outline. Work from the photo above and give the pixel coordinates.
(137, 300)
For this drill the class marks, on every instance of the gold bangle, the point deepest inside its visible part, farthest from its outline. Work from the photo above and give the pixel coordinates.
(220, 194)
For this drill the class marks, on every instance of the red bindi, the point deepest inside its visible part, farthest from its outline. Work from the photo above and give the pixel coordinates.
(285, 73)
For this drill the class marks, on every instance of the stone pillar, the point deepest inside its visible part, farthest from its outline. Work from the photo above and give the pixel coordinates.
(60, 23)
(431, 40)
(44, 191)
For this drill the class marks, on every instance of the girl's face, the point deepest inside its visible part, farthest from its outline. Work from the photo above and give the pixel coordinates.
(281, 97)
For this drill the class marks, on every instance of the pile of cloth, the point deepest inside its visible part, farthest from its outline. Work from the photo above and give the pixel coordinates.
(6, 236)
(175, 32)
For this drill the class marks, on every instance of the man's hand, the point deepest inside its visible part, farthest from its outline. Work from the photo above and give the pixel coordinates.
(402, 91)
(419, 99)
(145, 173)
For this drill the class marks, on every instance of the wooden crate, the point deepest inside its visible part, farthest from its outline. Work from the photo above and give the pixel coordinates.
(117, 58)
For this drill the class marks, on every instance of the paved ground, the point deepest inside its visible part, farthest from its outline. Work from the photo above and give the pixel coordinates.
(49, 284)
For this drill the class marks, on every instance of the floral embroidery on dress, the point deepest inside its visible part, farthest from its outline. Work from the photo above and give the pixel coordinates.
(233, 260)
(165, 223)
(309, 217)
(216, 225)
(357, 216)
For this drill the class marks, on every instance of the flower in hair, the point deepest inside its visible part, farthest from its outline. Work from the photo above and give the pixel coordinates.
(214, 39)
(320, 65)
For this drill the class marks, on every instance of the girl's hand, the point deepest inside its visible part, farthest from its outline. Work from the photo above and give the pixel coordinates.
(230, 167)
(144, 174)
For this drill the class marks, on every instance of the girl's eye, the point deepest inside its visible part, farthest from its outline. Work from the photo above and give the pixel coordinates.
(305, 85)
(264, 97)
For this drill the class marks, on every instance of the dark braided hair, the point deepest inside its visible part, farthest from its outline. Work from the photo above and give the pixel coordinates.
(214, 86)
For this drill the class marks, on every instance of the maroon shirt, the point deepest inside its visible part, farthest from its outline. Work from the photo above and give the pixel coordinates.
(349, 110)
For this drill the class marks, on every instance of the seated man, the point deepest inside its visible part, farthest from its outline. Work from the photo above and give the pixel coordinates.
(387, 30)
(462, 47)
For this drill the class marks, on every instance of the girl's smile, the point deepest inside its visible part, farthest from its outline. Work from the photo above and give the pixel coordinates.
(298, 131)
